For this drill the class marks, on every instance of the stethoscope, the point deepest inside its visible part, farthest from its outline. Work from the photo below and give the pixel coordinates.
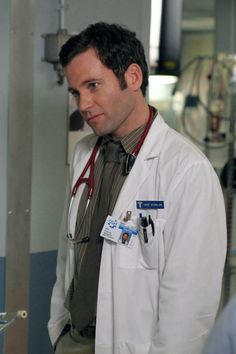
(129, 162)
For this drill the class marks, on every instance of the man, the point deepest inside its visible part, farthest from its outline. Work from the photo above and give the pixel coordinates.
(161, 294)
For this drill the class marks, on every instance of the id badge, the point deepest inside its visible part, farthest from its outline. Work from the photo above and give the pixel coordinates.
(117, 231)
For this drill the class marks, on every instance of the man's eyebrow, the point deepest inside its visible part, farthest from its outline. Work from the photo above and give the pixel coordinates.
(88, 81)
(84, 83)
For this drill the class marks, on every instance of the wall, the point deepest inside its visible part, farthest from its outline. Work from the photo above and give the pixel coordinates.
(49, 175)
(49, 169)
(4, 71)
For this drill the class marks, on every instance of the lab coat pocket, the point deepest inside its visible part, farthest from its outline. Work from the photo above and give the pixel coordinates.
(150, 252)
(129, 256)
(144, 255)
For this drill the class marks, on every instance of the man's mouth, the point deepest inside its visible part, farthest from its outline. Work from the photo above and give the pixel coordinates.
(93, 117)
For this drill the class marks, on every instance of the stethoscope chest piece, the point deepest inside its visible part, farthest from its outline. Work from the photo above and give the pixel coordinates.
(129, 162)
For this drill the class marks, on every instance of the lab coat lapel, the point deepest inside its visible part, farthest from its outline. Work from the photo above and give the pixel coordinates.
(132, 184)
(147, 156)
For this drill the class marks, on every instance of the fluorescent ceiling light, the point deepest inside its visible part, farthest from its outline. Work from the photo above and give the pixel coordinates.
(162, 79)
(161, 87)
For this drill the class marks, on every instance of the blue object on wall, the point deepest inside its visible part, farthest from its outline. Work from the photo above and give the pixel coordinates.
(42, 279)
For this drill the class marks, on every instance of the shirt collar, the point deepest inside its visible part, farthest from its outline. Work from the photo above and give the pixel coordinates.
(129, 141)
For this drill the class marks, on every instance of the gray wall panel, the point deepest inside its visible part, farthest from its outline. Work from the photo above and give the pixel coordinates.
(19, 171)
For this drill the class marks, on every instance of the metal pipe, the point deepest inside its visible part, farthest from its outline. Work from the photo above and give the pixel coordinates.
(61, 13)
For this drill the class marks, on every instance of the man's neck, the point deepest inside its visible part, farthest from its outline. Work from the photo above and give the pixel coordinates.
(138, 117)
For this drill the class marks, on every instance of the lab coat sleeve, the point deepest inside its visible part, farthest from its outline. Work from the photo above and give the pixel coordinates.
(59, 316)
(195, 248)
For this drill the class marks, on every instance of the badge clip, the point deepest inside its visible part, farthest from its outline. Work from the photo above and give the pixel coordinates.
(127, 216)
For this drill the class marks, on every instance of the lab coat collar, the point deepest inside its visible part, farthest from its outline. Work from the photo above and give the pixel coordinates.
(154, 140)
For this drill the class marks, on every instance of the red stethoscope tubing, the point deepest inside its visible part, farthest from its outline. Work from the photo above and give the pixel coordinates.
(91, 163)
(90, 179)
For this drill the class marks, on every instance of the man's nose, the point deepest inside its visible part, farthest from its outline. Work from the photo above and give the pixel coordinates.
(85, 102)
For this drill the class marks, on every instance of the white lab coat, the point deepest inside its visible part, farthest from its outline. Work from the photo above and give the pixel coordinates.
(159, 297)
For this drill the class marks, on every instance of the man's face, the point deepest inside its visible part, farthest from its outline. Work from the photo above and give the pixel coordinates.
(125, 237)
(104, 106)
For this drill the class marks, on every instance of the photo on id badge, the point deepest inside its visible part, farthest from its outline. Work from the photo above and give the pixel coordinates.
(125, 238)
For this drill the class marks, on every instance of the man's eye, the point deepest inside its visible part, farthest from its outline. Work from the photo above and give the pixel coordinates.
(93, 85)
(74, 93)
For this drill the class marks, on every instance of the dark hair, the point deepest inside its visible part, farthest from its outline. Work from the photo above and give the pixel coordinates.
(117, 48)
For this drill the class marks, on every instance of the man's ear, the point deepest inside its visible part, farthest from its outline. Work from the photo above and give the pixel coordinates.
(134, 77)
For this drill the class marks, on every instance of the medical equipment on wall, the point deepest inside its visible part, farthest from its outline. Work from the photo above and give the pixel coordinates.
(208, 118)
(7, 318)
(54, 42)
(207, 92)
